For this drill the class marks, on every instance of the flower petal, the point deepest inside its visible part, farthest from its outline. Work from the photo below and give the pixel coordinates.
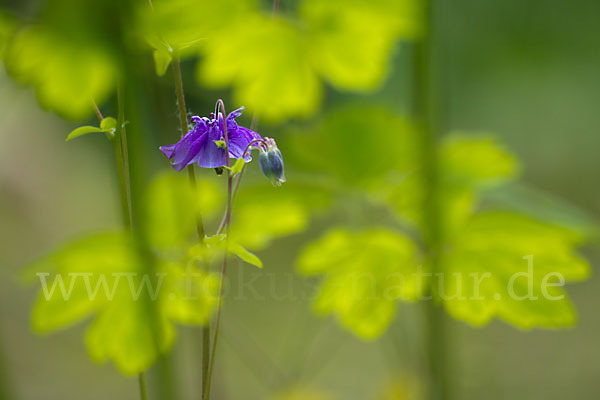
(210, 155)
(168, 150)
(239, 140)
(187, 150)
(235, 113)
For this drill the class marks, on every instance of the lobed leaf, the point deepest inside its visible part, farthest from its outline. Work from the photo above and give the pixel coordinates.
(364, 273)
(497, 244)
(66, 74)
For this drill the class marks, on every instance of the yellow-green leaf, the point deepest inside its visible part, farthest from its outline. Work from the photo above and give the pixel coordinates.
(365, 274)
(134, 308)
(108, 124)
(351, 40)
(238, 166)
(83, 130)
(162, 59)
(267, 213)
(272, 74)
(171, 206)
(220, 242)
(476, 160)
(510, 266)
(66, 74)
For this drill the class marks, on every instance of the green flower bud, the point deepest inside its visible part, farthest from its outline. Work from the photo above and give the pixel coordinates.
(271, 162)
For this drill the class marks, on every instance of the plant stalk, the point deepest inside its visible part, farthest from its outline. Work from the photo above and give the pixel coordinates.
(199, 223)
(227, 220)
(122, 164)
(122, 159)
(143, 390)
(427, 112)
(119, 142)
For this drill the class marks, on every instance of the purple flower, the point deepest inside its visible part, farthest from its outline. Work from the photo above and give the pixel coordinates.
(198, 145)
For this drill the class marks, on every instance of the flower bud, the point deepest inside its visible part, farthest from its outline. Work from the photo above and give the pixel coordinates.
(271, 162)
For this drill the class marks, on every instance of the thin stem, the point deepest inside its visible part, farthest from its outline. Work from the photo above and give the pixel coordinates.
(199, 223)
(180, 95)
(121, 137)
(237, 183)
(428, 117)
(275, 7)
(143, 389)
(224, 267)
(122, 163)
(122, 159)
(97, 110)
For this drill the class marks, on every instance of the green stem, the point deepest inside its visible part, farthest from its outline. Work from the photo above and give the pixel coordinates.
(199, 223)
(143, 390)
(428, 118)
(97, 110)
(121, 157)
(122, 164)
(224, 266)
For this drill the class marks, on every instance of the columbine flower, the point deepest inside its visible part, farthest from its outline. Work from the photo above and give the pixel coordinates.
(198, 145)
(271, 162)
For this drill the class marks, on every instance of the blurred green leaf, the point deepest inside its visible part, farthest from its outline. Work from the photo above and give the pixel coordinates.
(351, 40)
(220, 242)
(83, 130)
(365, 274)
(543, 206)
(192, 295)
(66, 73)
(100, 253)
(271, 74)
(171, 207)
(359, 146)
(134, 310)
(488, 254)
(126, 333)
(162, 59)
(280, 61)
(468, 165)
(172, 27)
(265, 214)
(476, 160)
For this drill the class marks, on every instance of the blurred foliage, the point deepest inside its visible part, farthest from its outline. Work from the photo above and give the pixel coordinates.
(280, 61)
(106, 277)
(8, 25)
(366, 273)
(275, 64)
(66, 56)
(102, 275)
(497, 243)
(278, 67)
(174, 28)
(370, 149)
